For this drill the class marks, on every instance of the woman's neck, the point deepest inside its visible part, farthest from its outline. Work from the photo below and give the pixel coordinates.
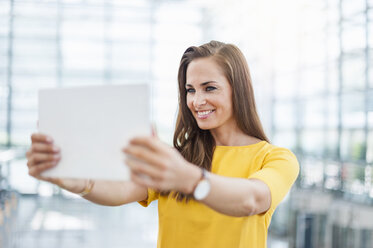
(232, 137)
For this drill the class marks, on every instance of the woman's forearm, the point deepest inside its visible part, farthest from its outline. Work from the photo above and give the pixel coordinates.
(237, 196)
(115, 193)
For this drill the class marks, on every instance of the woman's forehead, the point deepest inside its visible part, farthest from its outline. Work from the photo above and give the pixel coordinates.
(203, 70)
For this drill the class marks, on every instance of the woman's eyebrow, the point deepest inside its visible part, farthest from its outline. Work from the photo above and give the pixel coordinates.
(202, 84)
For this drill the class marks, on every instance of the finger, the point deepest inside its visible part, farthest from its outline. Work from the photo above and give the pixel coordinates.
(37, 158)
(144, 181)
(146, 155)
(39, 137)
(136, 178)
(42, 147)
(140, 167)
(36, 170)
(28, 153)
(148, 142)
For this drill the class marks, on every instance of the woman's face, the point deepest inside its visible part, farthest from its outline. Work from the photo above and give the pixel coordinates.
(209, 95)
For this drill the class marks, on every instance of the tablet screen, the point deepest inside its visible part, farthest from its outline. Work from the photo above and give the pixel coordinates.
(91, 125)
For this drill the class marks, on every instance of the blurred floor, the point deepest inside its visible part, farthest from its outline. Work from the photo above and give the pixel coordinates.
(45, 222)
(57, 222)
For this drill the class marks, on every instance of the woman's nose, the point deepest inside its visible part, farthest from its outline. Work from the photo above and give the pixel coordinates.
(199, 100)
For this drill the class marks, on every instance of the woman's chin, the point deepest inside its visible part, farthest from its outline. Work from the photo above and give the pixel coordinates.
(204, 126)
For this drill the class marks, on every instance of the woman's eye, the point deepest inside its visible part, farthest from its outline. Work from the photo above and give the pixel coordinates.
(210, 88)
(190, 90)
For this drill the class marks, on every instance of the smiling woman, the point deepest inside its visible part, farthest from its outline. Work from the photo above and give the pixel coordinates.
(221, 182)
(209, 95)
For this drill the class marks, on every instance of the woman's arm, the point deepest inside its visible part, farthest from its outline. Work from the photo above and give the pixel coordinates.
(43, 155)
(113, 193)
(166, 169)
(237, 196)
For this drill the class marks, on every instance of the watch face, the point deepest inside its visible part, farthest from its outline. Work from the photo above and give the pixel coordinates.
(202, 189)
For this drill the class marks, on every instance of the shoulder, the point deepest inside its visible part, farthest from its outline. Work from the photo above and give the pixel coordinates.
(273, 151)
(280, 158)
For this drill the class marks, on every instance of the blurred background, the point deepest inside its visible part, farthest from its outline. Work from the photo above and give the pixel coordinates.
(312, 70)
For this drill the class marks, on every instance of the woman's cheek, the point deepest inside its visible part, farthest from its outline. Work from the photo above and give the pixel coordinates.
(189, 104)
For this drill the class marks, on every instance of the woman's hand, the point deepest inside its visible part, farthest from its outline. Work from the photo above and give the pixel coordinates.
(156, 165)
(44, 155)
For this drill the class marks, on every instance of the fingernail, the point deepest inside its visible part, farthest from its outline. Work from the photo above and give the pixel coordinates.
(56, 149)
(49, 139)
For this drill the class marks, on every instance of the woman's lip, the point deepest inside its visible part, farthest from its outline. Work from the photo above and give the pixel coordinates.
(204, 116)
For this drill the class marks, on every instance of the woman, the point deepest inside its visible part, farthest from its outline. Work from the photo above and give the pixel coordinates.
(222, 181)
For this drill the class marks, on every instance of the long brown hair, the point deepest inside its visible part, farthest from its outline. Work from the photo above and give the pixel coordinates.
(197, 145)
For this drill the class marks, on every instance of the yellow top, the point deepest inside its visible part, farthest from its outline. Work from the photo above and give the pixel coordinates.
(192, 224)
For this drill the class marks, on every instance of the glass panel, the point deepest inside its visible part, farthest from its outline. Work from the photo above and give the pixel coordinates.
(314, 113)
(370, 109)
(370, 119)
(32, 84)
(92, 29)
(333, 12)
(138, 52)
(286, 59)
(285, 86)
(130, 31)
(312, 173)
(312, 81)
(83, 55)
(370, 147)
(368, 173)
(331, 144)
(97, 42)
(332, 78)
(33, 66)
(284, 115)
(4, 23)
(23, 118)
(333, 47)
(353, 72)
(3, 62)
(353, 115)
(313, 49)
(332, 111)
(34, 27)
(332, 176)
(4, 31)
(130, 14)
(370, 27)
(371, 65)
(3, 113)
(353, 178)
(312, 142)
(35, 10)
(24, 100)
(352, 7)
(285, 138)
(353, 37)
(353, 145)
(40, 49)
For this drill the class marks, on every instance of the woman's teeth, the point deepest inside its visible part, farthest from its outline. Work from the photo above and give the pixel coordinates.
(204, 113)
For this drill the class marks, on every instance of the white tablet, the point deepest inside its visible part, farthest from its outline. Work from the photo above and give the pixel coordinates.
(91, 125)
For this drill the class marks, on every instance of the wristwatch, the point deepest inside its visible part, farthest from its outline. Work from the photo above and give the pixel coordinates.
(203, 187)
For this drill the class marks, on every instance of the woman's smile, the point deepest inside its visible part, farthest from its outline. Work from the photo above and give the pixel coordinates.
(204, 114)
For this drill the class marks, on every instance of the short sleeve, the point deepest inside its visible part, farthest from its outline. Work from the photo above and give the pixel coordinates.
(152, 196)
(280, 170)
